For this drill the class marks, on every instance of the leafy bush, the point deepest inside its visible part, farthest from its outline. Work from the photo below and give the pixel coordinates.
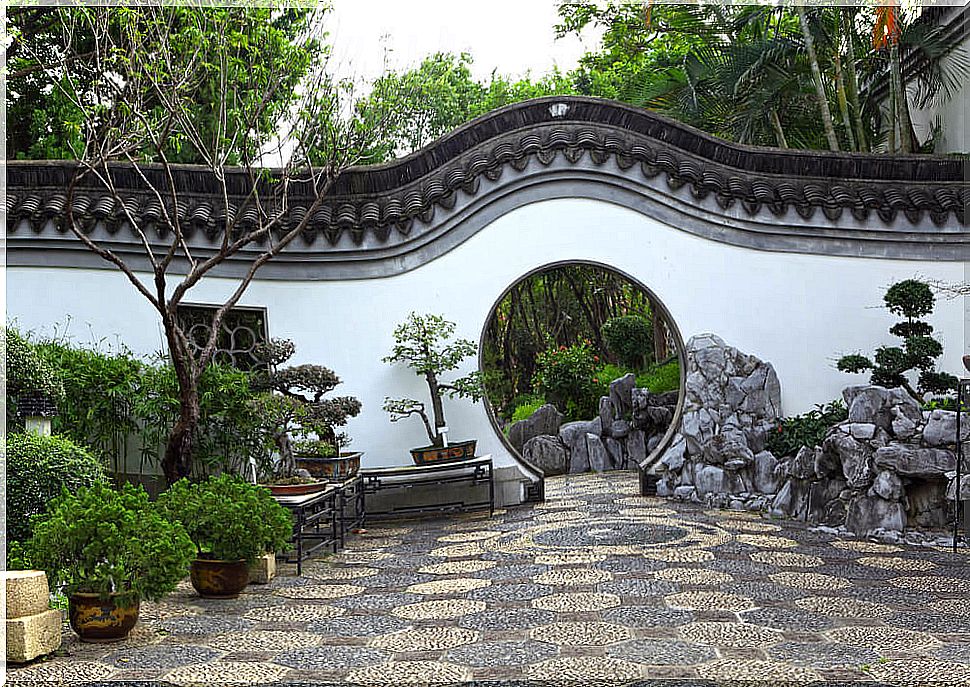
(100, 393)
(629, 338)
(103, 540)
(564, 376)
(317, 449)
(524, 411)
(227, 518)
(27, 373)
(38, 468)
(660, 378)
(228, 432)
(911, 299)
(792, 433)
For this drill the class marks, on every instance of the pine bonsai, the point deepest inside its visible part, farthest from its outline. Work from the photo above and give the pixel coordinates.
(420, 342)
(294, 403)
(911, 299)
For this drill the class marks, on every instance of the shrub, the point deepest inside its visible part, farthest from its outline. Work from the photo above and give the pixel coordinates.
(103, 540)
(524, 411)
(100, 391)
(792, 433)
(27, 373)
(660, 378)
(38, 468)
(228, 431)
(629, 338)
(911, 299)
(564, 376)
(228, 518)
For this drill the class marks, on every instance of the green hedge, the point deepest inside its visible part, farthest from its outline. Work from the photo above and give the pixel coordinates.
(38, 467)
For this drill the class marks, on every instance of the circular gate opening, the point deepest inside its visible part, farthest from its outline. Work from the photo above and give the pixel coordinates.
(583, 369)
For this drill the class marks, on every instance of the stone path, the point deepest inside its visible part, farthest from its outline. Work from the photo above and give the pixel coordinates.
(596, 584)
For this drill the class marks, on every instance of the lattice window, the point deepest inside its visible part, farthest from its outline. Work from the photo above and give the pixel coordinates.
(242, 330)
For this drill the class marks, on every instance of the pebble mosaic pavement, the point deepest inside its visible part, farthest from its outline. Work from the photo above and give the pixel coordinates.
(641, 592)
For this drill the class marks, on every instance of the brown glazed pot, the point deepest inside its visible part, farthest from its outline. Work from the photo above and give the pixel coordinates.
(431, 455)
(215, 579)
(97, 619)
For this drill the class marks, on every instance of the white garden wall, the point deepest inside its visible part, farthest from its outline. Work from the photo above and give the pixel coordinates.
(798, 311)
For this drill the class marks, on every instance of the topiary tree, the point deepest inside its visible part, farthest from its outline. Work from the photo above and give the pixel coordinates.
(294, 402)
(911, 299)
(420, 343)
(629, 338)
(38, 469)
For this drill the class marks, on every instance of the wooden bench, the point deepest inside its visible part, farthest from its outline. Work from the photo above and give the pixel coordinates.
(477, 473)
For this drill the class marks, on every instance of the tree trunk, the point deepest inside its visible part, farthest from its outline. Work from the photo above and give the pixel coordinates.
(902, 106)
(776, 125)
(437, 409)
(840, 89)
(823, 103)
(177, 462)
(852, 84)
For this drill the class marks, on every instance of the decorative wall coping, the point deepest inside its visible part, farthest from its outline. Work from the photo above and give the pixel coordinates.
(883, 206)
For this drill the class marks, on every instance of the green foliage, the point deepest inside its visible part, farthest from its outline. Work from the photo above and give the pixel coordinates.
(26, 372)
(565, 377)
(18, 558)
(38, 468)
(559, 306)
(422, 343)
(294, 404)
(228, 518)
(101, 390)
(660, 378)
(629, 338)
(238, 69)
(229, 423)
(316, 449)
(792, 433)
(103, 540)
(426, 102)
(890, 364)
(525, 410)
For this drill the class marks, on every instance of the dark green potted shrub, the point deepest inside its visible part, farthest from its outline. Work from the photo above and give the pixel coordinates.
(231, 522)
(420, 342)
(107, 550)
(300, 424)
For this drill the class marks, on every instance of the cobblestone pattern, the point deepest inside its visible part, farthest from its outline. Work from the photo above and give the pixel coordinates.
(596, 585)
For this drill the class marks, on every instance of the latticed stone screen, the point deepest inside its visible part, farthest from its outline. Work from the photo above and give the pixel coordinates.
(242, 330)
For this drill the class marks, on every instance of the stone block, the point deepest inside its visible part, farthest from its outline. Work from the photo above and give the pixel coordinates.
(263, 569)
(34, 635)
(27, 592)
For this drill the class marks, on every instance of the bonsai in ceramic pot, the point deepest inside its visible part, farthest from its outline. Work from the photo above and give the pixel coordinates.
(300, 424)
(231, 522)
(107, 550)
(422, 343)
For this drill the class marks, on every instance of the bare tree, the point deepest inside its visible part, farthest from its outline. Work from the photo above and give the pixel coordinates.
(152, 63)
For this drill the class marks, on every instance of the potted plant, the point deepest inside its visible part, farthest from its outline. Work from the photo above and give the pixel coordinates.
(231, 523)
(107, 550)
(421, 343)
(294, 406)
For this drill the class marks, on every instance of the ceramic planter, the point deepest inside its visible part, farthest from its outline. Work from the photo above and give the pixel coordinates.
(431, 455)
(295, 489)
(215, 579)
(102, 619)
(333, 468)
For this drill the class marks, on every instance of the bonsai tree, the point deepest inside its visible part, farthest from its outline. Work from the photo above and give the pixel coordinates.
(911, 299)
(421, 343)
(294, 403)
(105, 541)
(227, 518)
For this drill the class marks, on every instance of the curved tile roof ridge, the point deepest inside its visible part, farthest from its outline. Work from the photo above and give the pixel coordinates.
(393, 195)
